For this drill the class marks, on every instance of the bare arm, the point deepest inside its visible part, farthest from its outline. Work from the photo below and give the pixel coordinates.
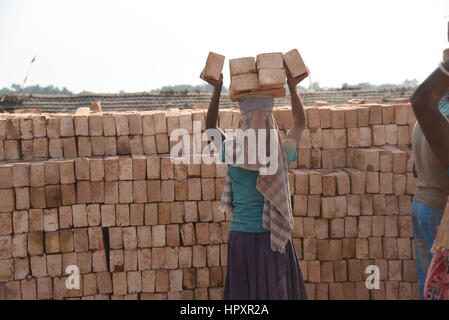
(212, 111)
(434, 125)
(294, 134)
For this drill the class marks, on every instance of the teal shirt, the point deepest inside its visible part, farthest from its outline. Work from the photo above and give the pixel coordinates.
(247, 201)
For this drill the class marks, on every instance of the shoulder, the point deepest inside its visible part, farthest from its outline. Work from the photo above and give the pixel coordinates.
(290, 150)
(289, 145)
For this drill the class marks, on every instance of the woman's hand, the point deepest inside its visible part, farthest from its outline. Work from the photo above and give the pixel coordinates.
(217, 84)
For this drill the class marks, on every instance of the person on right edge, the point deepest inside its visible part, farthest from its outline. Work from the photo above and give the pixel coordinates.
(430, 143)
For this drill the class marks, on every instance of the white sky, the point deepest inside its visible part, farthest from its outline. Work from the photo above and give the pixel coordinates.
(108, 46)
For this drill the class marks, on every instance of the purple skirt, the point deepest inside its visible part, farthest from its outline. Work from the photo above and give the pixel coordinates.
(255, 272)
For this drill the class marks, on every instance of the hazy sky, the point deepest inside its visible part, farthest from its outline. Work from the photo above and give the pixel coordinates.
(108, 46)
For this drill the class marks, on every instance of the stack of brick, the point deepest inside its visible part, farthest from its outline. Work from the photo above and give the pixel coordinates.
(270, 67)
(244, 77)
(137, 227)
(330, 130)
(334, 132)
(352, 200)
(140, 227)
(348, 219)
(264, 76)
(57, 136)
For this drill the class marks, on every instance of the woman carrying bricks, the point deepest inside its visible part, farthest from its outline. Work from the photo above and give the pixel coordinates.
(430, 144)
(262, 262)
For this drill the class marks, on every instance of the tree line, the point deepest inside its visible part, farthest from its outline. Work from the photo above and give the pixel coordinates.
(16, 89)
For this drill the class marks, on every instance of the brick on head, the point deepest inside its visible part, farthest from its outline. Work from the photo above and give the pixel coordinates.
(250, 76)
(264, 74)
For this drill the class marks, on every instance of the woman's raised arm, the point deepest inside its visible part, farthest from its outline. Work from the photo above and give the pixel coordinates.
(425, 102)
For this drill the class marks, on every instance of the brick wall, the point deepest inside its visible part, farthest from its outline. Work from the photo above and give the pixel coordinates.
(99, 191)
